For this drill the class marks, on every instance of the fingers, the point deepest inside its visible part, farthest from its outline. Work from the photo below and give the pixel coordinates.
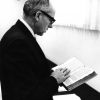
(60, 69)
(61, 74)
(66, 72)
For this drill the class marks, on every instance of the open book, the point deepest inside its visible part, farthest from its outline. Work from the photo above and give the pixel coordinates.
(79, 73)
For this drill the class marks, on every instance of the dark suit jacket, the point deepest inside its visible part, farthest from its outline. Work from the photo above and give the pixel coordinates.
(25, 71)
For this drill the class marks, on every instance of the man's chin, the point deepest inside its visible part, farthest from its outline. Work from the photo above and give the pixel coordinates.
(40, 33)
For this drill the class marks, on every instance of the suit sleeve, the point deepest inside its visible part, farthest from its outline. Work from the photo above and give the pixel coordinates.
(20, 78)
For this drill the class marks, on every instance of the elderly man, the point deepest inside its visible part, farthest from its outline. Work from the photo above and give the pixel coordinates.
(25, 71)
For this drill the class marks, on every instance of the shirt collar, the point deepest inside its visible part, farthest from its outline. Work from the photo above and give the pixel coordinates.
(29, 28)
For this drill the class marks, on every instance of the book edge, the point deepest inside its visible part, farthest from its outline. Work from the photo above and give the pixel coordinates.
(80, 81)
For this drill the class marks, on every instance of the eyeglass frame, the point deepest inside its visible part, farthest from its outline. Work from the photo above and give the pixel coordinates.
(52, 20)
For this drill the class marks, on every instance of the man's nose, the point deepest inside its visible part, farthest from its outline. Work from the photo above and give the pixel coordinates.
(50, 26)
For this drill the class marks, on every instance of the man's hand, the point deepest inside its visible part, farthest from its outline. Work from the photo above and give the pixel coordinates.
(60, 74)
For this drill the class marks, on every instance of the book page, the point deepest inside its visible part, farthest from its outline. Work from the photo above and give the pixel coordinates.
(77, 75)
(72, 64)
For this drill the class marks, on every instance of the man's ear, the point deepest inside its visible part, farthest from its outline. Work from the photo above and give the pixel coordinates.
(37, 15)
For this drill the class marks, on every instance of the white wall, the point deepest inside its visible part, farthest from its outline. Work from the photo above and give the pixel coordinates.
(72, 12)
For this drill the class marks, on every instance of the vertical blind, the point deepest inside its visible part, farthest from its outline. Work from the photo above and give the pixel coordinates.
(78, 13)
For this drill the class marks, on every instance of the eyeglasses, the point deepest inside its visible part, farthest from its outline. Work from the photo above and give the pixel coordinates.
(52, 20)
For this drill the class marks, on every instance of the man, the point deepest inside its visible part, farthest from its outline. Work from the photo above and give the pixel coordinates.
(25, 72)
